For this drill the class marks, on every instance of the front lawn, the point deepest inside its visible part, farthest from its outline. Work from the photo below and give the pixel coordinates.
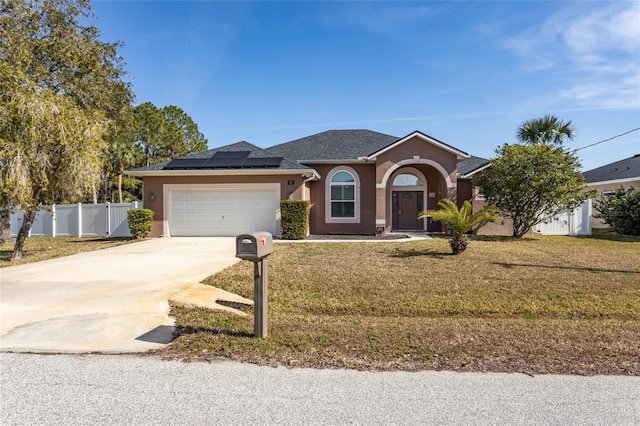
(536, 305)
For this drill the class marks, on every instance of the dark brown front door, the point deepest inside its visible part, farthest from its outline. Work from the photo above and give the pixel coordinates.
(406, 205)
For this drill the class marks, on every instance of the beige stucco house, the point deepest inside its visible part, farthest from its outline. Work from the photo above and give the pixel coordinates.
(358, 182)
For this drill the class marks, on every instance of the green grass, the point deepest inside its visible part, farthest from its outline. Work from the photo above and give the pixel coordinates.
(37, 249)
(539, 305)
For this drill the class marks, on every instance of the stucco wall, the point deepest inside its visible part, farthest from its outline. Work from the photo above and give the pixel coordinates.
(367, 224)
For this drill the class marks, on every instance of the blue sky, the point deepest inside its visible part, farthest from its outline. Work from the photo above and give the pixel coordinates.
(466, 73)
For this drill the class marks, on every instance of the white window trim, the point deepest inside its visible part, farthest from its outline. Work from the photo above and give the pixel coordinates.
(327, 196)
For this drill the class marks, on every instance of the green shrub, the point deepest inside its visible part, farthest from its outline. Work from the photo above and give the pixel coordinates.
(621, 210)
(295, 219)
(140, 222)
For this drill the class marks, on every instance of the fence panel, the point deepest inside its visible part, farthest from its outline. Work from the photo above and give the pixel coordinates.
(583, 216)
(43, 223)
(78, 220)
(558, 225)
(94, 220)
(118, 219)
(15, 222)
(572, 222)
(67, 220)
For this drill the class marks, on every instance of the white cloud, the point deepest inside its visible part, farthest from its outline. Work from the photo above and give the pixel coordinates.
(615, 28)
(594, 48)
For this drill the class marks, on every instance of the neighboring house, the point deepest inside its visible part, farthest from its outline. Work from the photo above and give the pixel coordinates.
(358, 182)
(623, 174)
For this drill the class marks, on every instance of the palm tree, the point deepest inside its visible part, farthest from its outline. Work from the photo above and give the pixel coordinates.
(460, 221)
(548, 130)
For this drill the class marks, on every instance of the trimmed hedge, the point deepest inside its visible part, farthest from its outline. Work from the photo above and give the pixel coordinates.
(294, 218)
(140, 222)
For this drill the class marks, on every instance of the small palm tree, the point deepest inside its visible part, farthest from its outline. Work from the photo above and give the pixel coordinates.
(548, 130)
(460, 221)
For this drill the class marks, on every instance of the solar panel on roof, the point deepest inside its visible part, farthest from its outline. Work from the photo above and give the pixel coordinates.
(224, 160)
(185, 163)
(262, 162)
(227, 159)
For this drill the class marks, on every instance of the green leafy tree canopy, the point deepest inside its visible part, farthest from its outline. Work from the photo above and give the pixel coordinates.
(532, 183)
(60, 87)
(621, 210)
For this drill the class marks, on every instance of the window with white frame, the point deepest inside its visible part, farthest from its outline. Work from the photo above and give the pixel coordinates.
(343, 195)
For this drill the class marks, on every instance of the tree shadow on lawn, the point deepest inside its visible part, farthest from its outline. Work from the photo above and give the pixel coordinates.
(404, 254)
(575, 268)
(501, 238)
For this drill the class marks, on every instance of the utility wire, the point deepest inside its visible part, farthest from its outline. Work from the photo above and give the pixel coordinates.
(605, 140)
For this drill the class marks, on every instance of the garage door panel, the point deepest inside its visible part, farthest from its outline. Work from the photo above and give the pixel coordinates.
(214, 212)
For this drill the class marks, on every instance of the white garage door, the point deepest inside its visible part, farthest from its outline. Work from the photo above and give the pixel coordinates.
(222, 212)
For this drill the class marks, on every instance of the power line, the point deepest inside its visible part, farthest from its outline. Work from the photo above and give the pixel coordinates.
(605, 140)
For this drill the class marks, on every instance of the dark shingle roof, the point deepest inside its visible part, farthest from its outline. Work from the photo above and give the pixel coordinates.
(471, 164)
(624, 169)
(254, 152)
(334, 145)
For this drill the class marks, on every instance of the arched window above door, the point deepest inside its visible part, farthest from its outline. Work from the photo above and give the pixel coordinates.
(407, 179)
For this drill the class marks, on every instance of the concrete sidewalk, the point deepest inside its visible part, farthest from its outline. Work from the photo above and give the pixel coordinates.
(113, 300)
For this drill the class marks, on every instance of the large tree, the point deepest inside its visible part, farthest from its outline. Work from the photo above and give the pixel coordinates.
(122, 152)
(532, 183)
(60, 87)
(166, 133)
(547, 130)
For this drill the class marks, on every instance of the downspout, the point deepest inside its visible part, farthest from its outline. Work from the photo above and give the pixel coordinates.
(304, 186)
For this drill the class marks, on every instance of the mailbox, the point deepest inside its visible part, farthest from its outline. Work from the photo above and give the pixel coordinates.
(254, 246)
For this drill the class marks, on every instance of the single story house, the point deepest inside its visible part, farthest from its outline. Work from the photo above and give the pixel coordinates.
(358, 182)
(623, 174)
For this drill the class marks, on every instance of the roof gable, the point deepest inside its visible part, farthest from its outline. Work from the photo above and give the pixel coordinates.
(629, 168)
(459, 154)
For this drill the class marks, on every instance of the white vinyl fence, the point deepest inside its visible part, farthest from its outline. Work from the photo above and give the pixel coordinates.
(78, 220)
(571, 222)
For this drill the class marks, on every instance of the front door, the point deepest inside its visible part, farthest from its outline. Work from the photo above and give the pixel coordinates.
(406, 206)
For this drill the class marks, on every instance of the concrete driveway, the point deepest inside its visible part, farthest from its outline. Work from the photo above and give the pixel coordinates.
(113, 300)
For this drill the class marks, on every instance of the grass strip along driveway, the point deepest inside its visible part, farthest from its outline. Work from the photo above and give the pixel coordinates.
(37, 249)
(537, 305)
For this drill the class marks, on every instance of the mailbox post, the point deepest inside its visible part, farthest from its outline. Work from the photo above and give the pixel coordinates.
(256, 247)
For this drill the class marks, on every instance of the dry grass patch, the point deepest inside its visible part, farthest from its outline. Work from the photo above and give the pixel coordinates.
(538, 305)
(37, 249)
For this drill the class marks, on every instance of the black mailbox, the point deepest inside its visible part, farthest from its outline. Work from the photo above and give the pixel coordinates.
(254, 246)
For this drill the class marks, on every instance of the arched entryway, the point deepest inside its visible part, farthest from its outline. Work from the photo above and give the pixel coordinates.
(408, 198)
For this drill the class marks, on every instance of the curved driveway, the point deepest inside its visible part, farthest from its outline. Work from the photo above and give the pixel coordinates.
(112, 300)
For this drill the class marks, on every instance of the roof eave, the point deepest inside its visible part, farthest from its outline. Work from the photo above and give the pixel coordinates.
(609, 182)
(473, 172)
(360, 160)
(308, 173)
